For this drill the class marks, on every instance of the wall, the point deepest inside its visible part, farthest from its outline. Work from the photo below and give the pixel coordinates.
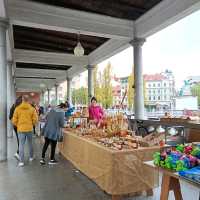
(34, 96)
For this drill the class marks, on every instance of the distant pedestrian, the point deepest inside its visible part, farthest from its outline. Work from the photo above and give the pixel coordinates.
(52, 133)
(24, 118)
(12, 109)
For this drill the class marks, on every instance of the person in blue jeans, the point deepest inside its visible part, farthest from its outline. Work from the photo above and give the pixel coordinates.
(24, 118)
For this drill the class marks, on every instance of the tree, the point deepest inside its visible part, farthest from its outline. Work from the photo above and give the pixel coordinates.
(130, 91)
(80, 96)
(97, 84)
(106, 88)
(196, 91)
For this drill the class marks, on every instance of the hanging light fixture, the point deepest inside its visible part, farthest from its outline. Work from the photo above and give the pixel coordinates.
(78, 50)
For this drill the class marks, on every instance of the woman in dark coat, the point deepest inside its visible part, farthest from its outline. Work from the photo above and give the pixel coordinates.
(12, 110)
(52, 133)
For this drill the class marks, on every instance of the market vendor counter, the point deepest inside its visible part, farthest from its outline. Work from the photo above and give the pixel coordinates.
(116, 172)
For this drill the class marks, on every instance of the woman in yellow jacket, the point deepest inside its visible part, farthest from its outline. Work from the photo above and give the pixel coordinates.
(24, 118)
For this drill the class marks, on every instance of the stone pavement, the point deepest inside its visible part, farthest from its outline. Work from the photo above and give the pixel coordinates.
(58, 182)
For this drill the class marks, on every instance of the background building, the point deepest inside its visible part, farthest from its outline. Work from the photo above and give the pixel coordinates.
(120, 86)
(160, 90)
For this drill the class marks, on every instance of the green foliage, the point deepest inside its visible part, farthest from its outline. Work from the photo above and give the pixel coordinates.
(196, 91)
(103, 86)
(106, 87)
(130, 91)
(80, 96)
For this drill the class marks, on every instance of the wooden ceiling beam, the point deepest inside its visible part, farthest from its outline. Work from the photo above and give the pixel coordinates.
(19, 35)
(111, 8)
(62, 36)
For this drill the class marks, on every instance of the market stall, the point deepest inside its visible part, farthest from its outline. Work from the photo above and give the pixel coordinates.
(117, 172)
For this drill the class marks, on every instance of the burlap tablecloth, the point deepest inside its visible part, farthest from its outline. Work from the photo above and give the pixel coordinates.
(116, 172)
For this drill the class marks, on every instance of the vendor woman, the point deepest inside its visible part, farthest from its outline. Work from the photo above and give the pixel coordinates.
(95, 111)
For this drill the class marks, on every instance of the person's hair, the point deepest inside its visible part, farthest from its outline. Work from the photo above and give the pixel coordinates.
(62, 105)
(25, 98)
(18, 101)
(93, 99)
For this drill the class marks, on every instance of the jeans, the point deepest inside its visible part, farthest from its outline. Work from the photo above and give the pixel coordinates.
(53, 148)
(22, 140)
(16, 133)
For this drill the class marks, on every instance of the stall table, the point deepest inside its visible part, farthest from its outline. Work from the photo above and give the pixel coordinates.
(170, 181)
(115, 172)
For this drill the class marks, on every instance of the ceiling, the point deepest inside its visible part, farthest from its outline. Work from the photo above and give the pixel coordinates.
(31, 75)
(53, 41)
(124, 9)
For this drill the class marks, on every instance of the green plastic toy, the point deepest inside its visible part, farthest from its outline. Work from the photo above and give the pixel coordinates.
(168, 162)
(196, 152)
(180, 148)
(180, 166)
(162, 164)
(156, 158)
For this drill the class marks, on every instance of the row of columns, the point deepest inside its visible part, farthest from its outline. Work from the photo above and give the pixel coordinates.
(137, 44)
(7, 90)
(138, 81)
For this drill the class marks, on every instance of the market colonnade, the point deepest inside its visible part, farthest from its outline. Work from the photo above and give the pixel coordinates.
(37, 41)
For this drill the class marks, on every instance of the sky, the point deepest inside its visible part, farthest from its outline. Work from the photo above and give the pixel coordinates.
(176, 48)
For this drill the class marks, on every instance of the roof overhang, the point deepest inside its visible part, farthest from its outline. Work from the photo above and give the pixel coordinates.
(119, 32)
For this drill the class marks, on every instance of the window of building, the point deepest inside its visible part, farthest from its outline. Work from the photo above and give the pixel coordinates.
(149, 91)
(149, 98)
(159, 91)
(158, 84)
(164, 90)
(158, 97)
(165, 97)
(149, 85)
(154, 98)
(165, 84)
(154, 91)
(154, 85)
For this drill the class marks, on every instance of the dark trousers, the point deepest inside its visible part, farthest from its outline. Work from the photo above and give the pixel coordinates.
(53, 148)
(15, 129)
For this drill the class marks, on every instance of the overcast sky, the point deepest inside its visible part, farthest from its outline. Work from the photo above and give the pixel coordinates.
(176, 48)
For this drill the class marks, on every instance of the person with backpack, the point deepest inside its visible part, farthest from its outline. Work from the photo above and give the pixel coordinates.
(12, 110)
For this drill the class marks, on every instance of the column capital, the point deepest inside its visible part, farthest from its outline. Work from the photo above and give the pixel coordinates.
(56, 85)
(90, 67)
(4, 22)
(69, 78)
(138, 41)
(10, 62)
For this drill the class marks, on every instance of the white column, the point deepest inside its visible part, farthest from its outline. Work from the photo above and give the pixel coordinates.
(56, 93)
(3, 92)
(138, 78)
(48, 96)
(90, 69)
(69, 92)
(42, 98)
(9, 98)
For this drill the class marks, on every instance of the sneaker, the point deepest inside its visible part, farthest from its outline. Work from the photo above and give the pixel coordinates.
(31, 159)
(16, 156)
(21, 164)
(42, 161)
(53, 162)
